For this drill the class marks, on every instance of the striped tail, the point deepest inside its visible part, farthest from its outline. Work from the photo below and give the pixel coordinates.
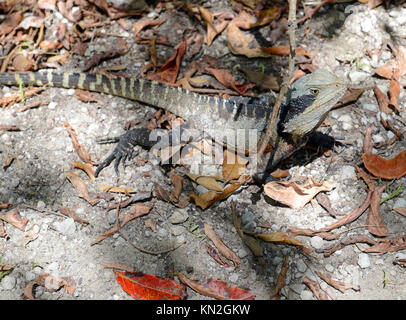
(173, 99)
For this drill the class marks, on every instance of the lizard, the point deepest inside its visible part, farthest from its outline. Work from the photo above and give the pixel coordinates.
(305, 107)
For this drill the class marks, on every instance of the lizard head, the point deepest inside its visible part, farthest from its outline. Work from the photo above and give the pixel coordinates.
(308, 102)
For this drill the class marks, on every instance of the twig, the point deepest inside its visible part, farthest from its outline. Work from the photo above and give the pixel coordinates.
(271, 135)
(151, 252)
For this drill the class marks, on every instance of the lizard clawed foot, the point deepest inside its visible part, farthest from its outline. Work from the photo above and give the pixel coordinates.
(124, 149)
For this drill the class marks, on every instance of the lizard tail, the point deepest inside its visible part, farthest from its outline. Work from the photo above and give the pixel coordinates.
(173, 99)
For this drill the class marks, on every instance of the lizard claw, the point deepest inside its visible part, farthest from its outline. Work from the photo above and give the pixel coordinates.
(124, 149)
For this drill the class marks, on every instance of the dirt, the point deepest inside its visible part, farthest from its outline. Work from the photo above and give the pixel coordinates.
(338, 36)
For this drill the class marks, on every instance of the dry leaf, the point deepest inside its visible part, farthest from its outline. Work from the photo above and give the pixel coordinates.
(294, 195)
(394, 92)
(11, 22)
(206, 181)
(233, 165)
(13, 217)
(107, 188)
(80, 187)
(86, 167)
(69, 213)
(221, 246)
(341, 286)
(80, 150)
(383, 101)
(216, 289)
(375, 223)
(314, 286)
(393, 168)
(207, 199)
(401, 211)
(281, 281)
(215, 255)
(138, 26)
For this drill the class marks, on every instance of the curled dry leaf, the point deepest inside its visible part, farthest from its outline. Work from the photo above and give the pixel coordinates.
(107, 188)
(394, 92)
(383, 101)
(279, 237)
(341, 286)
(137, 210)
(144, 286)
(401, 211)
(314, 286)
(233, 165)
(13, 217)
(375, 223)
(224, 77)
(221, 246)
(80, 150)
(86, 167)
(393, 168)
(216, 289)
(294, 195)
(11, 22)
(80, 187)
(50, 283)
(351, 239)
(205, 200)
(69, 213)
(281, 281)
(169, 72)
(215, 255)
(139, 26)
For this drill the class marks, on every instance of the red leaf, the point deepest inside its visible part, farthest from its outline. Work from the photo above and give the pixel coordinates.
(169, 72)
(144, 286)
(394, 168)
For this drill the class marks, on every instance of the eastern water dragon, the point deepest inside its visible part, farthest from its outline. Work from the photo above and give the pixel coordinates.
(305, 107)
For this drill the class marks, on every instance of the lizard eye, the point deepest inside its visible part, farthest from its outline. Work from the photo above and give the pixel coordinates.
(314, 91)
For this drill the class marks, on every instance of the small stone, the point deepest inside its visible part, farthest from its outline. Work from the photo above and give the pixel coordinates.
(233, 277)
(162, 233)
(301, 266)
(52, 105)
(400, 203)
(178, 216)
(317, 242)
(66, 227)
(329, 267)
(177, 230)
(370, 107)
(358, 76)
(41, 205)
(348, 172)
(8, 282)
(306, 295)
(363, 260)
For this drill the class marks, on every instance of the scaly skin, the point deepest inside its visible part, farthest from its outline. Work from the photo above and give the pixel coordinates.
(306, 105)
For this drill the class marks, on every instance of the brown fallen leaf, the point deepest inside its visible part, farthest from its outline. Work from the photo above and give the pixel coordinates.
(352, 216)
(279, 173)
(11, 22)
(86, 167)
(233, 165)
(137, 210)
(215, 255)
(13, 217)
(69, 213)
(225, 77)
(314, 287)
(383, 101)
(207, 199)
(106, 234)
(351, 239)
(375, 223)
(394, 92)
(87, 96)
(295, 231)
(401, 211)
(294, 195)
(216, 289)
(324, 201)
(80, 150)
(80, 187)
(139, 26)
(8, 162)
(169, 72)
(50, 283)
(6, 267)
(279, 237)
(393, 168)
(351, 95)
(108, 188)
(401, 262)
(281, 281)
(221, 246)
(341, 286)
(388, 245)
